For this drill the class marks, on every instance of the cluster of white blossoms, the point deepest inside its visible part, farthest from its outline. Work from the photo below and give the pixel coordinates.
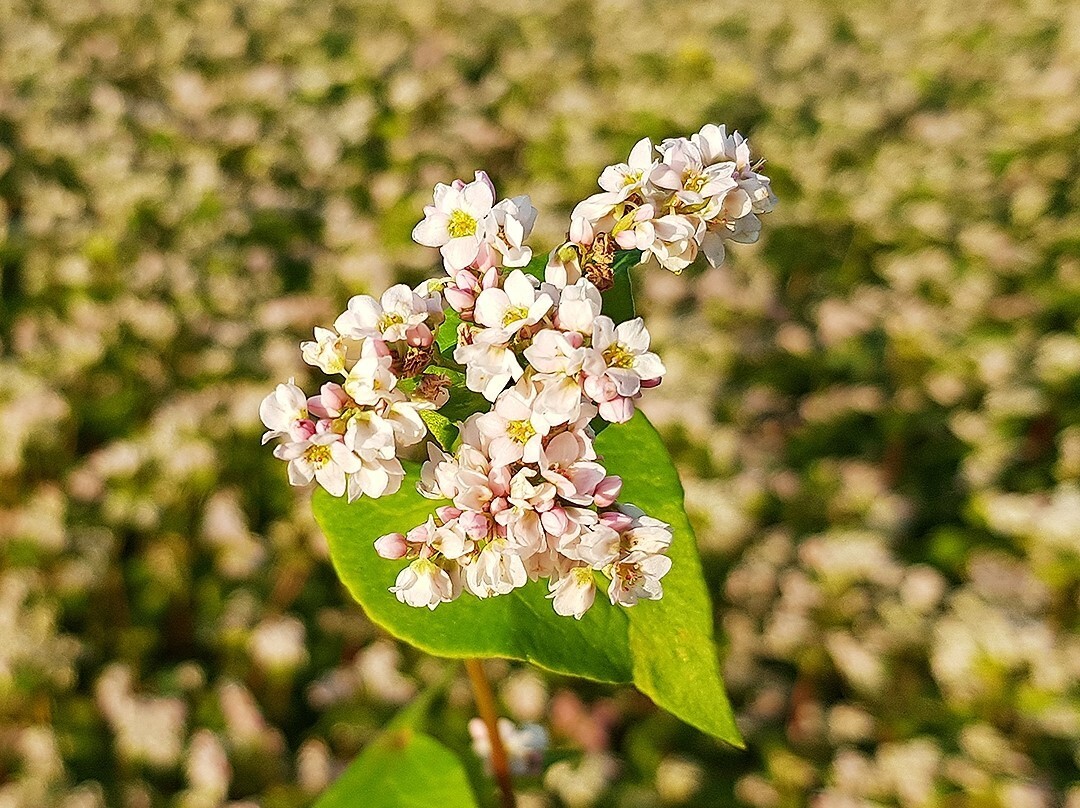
(527, 496)
(685, 196)
(348, 437)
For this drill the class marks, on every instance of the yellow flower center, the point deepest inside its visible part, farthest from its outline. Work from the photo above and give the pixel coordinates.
(582, 575)
(318, 455)
(617, 356)
(390, 319)
(515, 313)
(520, 431)
(692, 181)
(461, 224)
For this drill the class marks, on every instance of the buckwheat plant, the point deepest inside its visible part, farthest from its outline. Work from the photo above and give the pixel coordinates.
(512, 368)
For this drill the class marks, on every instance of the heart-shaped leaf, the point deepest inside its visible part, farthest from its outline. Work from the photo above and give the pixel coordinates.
(664, 647)
(402, 768)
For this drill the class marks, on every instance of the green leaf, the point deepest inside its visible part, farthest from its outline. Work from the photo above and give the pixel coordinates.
(402, 768)
(521, 625)
(664, 647)
(671, 639)
(463, 401)
(446, 336)
(537, 266)
(440, 427)
(619, 299)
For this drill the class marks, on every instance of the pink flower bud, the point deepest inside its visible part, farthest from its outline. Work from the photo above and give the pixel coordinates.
(459, 299)
(302, 430)
(617, 411)
(334, 397)
(498, 505)
(475, 524)
(420, 534)
(616, 520)
(581, 231)
(607, 491)
(555, 521)
(447, 513)
(419, 336)
(392, 546)
(487, 258)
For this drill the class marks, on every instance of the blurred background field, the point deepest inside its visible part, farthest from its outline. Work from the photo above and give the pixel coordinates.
(876, 409)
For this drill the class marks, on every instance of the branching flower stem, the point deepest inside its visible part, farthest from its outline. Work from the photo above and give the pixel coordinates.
(485, 705)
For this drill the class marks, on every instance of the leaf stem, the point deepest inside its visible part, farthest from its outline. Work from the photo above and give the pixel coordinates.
(485, 704)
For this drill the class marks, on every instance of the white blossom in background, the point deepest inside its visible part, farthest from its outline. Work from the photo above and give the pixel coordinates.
(525, 745)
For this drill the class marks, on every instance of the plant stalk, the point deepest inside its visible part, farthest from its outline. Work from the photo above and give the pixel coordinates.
(485, 704)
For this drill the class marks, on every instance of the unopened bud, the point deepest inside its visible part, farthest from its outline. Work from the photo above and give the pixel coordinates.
(607, 491)
(616, 520)
(392, 546)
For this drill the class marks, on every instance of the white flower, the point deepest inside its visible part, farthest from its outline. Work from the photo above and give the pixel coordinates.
(393, 318)
(579, 306)
(694, 180)
(521, 516)
(514, 428)
(620, 364)
(716, 145)
(450, 540)
(322, 457)
(563, 464)
(455, 222)
(630, 177)
(495, 570)
(637, 577)
(510, 223)
(573, 592)
(642, 563)
(489, 363)
(283, 410)
(599, 211)
(330, 352)
(677, 241)
(370, 380)
(377, 478)
(424, 583)
(558, 359)
(515, 305)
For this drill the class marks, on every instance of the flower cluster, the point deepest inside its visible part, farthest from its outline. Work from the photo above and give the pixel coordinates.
(347, 438)
(472, 230)
(528, 495)
(686, 196)
(528, 500)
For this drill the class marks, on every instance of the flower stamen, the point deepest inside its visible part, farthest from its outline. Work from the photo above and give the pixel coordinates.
(461, 224)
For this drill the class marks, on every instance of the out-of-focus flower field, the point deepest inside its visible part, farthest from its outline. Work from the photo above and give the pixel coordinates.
(876, 409)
